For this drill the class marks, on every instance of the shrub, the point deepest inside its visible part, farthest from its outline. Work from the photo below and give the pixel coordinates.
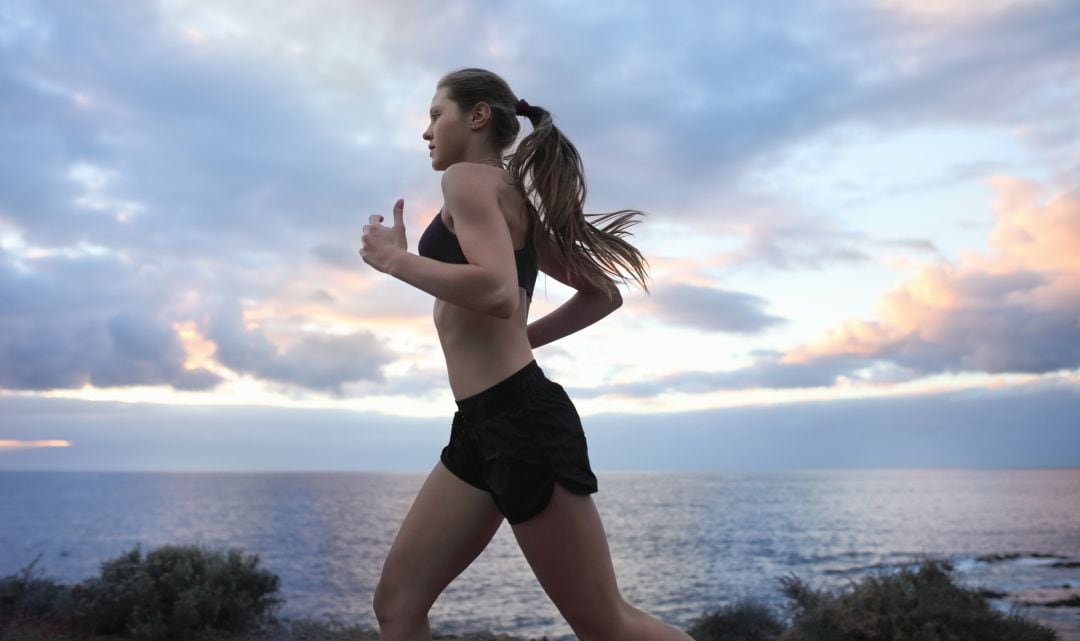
(744, 620)
(173, 591)
(22, 596)
(920, 605)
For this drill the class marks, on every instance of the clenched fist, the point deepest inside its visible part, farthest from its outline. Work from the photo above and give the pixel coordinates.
(382, 243)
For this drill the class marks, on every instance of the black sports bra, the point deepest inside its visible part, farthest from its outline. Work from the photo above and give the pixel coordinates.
(441, 244)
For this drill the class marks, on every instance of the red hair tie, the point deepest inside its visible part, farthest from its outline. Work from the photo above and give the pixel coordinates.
(522, 107)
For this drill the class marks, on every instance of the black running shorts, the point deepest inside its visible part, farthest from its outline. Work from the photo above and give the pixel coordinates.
(516, 439)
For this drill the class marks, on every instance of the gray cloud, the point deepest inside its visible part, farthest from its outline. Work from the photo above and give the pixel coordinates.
(767, 372)
(1015, 311)
(795, 241)
(214, 162)
(917, 244)
(988, 73)
(223, 155)
(317, 362)
(338, 256)
(228, 161)
(145, 351)
(987, 334)
(710, 309)
(69, 322)
(997, 337)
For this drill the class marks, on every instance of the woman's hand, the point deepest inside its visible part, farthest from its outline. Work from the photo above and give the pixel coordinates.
(380, 243)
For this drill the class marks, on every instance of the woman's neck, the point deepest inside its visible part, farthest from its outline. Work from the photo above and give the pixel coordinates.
(482, 154)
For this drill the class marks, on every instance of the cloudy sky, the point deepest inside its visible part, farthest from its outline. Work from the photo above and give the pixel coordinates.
(863, 227)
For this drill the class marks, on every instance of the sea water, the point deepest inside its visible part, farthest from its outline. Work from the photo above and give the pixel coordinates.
(682, 543)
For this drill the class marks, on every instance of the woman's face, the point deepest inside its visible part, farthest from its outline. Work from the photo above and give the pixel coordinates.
(447, 133)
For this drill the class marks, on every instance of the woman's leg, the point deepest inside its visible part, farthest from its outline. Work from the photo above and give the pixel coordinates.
(567, 549)
(449, 524)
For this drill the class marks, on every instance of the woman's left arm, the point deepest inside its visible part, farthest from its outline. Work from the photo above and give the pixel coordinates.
(488, 282)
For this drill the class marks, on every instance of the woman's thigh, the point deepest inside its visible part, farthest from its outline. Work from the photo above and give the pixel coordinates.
(567, 549)
(449, 524)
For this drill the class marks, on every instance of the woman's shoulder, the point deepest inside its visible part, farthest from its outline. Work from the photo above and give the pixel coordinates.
(471, 185)
(477, 179)
(479, 172)
(482, 182)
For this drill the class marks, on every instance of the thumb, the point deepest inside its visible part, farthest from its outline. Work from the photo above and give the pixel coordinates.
(399, 212)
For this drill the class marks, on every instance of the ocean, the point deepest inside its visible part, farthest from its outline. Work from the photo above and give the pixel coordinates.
(682, 543)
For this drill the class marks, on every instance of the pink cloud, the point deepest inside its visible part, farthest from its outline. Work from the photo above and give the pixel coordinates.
(7, 445)
(1015, 308)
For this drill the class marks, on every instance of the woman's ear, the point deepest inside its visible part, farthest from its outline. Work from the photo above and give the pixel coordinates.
(481, 113)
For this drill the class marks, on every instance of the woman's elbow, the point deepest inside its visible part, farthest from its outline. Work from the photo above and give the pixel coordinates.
(503, 310)
(611, 296)
(505, 304)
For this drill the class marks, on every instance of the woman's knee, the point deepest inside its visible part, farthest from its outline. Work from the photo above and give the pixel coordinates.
(619, 620)
(393, 603)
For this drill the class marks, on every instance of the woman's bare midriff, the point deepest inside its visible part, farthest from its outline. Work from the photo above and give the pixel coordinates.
(481, 349)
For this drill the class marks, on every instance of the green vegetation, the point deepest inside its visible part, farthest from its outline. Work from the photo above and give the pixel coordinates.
(745, 620)
(188, 592)
(171, 593)
(923, 604)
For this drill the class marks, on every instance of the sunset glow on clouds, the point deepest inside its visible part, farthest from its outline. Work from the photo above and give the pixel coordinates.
(864, 200)
(1013, 309)
(9, 444)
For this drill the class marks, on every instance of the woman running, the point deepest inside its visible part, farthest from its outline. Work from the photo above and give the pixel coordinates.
(517, 450)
